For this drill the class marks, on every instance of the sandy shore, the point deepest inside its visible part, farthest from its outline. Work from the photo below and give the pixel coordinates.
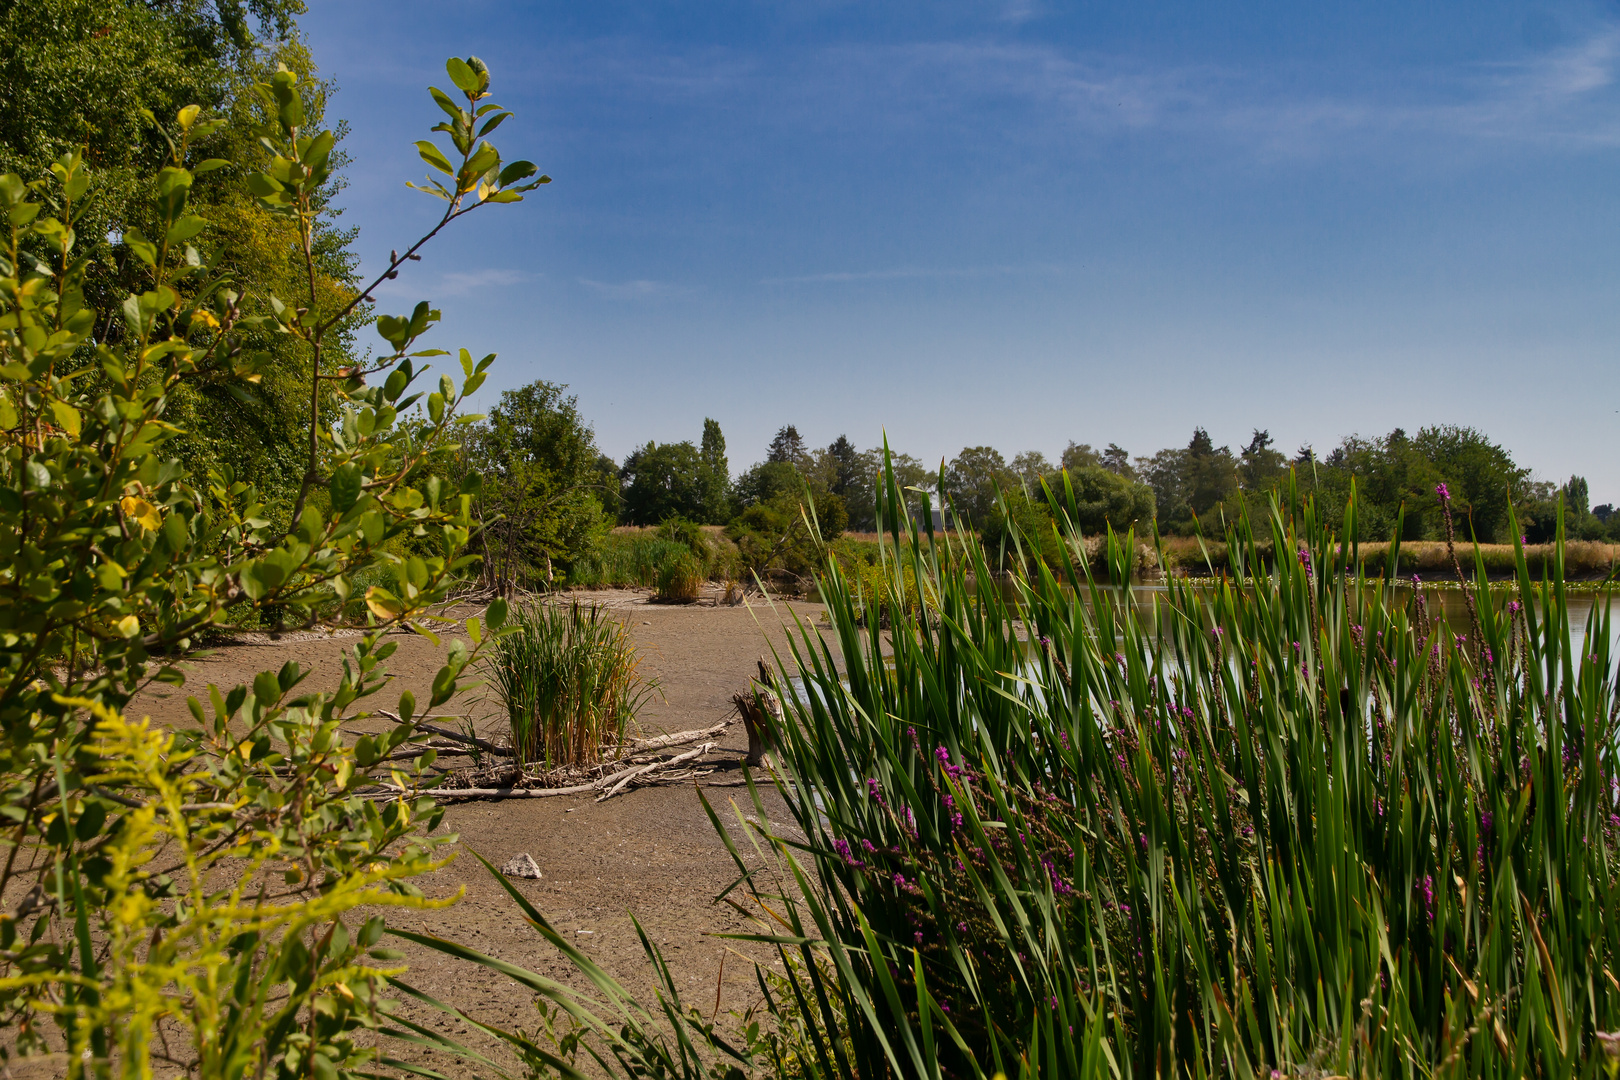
(650, 852)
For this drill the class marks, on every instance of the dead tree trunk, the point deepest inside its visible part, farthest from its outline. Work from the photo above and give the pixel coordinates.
(761, 711)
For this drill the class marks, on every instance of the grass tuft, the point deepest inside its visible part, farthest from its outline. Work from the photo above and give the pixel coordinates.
(567, 677)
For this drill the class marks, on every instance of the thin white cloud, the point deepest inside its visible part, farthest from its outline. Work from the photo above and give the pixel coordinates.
(907, 272)
(454, 283)
(641, 289)
(1561, 95)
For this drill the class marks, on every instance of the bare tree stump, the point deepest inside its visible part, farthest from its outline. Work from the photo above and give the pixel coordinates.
(761, 710)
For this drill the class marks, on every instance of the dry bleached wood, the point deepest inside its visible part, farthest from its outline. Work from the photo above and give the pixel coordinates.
(680, 738)
(636, 773)
(619, 780)
(761, 710)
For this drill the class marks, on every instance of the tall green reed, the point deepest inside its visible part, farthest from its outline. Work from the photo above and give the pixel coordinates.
(567, 678)
(1288, 821)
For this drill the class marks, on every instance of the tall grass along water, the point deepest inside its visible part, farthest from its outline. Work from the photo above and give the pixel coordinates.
(1294, 824)
(1291, 824)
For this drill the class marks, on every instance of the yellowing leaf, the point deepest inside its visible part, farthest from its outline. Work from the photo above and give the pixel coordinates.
(67, 417)
(128, 626)
(382, 603)
(141, 512)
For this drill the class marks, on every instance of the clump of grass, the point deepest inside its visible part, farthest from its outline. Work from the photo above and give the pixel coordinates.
(680, 580)
(632, 557)
(567, 677)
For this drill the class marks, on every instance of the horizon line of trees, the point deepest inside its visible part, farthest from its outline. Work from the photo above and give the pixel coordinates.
(556, 490)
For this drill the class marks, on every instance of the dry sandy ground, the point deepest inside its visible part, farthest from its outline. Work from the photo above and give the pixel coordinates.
(651, 851)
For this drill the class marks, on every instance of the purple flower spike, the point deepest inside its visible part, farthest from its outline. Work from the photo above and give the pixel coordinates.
(1444, 492)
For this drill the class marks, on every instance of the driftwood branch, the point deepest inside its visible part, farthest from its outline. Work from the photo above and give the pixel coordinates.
(761, 710)
(680, 738)
(612, 784)
(641, 771)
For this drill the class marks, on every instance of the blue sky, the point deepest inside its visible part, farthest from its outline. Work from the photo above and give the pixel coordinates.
(1023, 223)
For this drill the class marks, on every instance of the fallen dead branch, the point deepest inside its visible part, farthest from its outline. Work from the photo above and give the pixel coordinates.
(612, 784)
(680, 738)
(641, 771)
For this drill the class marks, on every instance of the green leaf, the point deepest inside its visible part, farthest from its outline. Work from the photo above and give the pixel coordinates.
(345, 486)
(434, 157)
(495, 614)
(462, 75)
(187, 227)
(517, 170)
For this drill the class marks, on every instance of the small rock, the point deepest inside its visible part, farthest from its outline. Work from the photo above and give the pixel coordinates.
(521, 866)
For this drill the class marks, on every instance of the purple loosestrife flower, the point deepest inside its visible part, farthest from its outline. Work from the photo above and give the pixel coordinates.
(1305, 560)
(1514, 607)
(1442, 491)
(1425, 889)
(842, 847)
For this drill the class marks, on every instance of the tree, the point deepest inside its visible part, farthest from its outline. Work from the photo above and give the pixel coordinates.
(1105, 499)
(1029, 467)
(788, 446)
(1165, 474)
(844, 466)
(714, 476)
(89, 77)
(764, 482)
(1116, 460)
(861, 495)
(1079, 456)
(1577, 497)
(663, 480)
(1261, 464)
(542, 497)
(1211, 473)
(1480, 475)
(973, 480)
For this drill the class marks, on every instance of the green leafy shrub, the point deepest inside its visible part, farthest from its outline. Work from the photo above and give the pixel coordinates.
(196, 883)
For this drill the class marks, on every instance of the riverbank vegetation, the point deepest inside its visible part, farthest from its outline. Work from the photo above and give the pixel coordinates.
(1297, 825)
(1178, 494)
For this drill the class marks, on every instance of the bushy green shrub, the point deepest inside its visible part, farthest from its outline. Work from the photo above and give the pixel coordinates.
(205, 885)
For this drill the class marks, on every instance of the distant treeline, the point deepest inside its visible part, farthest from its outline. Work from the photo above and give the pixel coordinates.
(552, 494)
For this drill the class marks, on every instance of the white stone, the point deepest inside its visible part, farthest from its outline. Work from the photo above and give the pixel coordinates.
(521, 866)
